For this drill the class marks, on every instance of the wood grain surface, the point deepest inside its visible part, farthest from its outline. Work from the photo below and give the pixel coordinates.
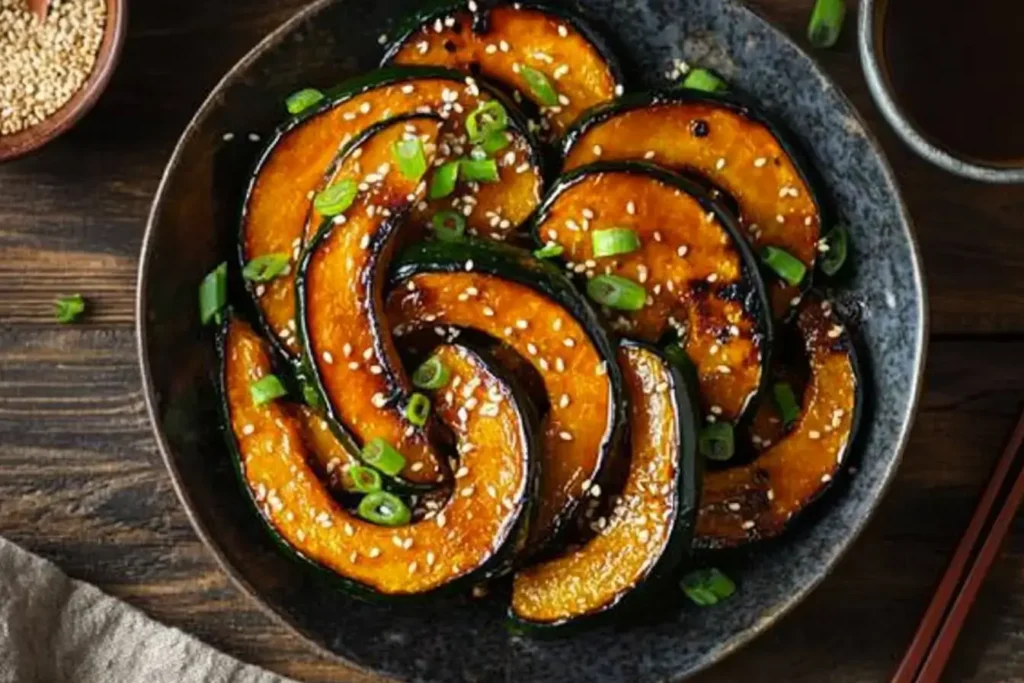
(81, 481)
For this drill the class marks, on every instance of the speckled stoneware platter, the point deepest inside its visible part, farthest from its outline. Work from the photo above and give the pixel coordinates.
(192, 228)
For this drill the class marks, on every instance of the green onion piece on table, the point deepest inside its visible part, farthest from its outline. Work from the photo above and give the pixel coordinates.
(837, 242)
(417, 410)
(785, 265)
(449, 226)
(384, 508)
(431, 374)
(336, 198)
(549, 251)
(380, 454)
(443, 182)
(302, 100)
(702, 79)
(265, 268)
(266, 389)
(540, 86)
(785, 401)
(826, 22)
(716, 441)
(213, 294)
(408, 154)
(489, 117)
(614, 241)
(365, 479)
(479, 170)
(616, 292)
(707, 587)
(69, 308)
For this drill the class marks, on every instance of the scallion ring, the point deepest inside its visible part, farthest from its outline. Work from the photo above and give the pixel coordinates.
(70, 307)
(785, 265)
(616, 292)
(336, 198)
(479, 170)
(540, 86)
(213, 294)
(364, 479)
(495, 142)
(716, 441)
(707, 587)
(705, 80)
(265, 268)
(266, 389)
(380, 454)
(488, 117)
(417, 410)
(443, 182)
(826, 23)
(408, 154)
(613, 241)
(449, 226)
(431, 374)
(302, 100)
(387, 509)
(549, 250)
(837, 241)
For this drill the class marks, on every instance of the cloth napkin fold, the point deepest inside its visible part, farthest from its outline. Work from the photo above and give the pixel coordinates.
(54, 629)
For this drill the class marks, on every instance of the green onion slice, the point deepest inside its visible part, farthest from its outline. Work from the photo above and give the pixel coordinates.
(365, 479)
(702, 79)
(785, 265)
(550, 250)
(707, 587)
(70, 307)
(381, 507)
(380, 454)
(336, 198)
(449, 226)
(716, 441)
(432, 374)
(495, 142)
(489, 117)
(480, 170)
(540, 86)
(417, 410)
(213, 294)
(266, 389)
(785, 401)
(616, 292)
(614, 241)
(443, 182)
(838, 241)
(408, 154)
(826, 22)
(265, 268)
(302, 100)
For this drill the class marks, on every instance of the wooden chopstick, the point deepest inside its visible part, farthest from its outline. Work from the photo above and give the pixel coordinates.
(933, 643)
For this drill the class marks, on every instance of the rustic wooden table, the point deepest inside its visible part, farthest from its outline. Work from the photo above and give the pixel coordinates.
(82, 484)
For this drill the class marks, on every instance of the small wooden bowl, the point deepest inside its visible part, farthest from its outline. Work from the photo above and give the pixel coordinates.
(19, 144)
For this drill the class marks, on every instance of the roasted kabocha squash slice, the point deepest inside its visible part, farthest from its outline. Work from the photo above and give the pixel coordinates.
(471, 536)
(544, 52)
(730, 144)
(306, 152)
(528, 305)
(646, 530)
(700, 278)
(756, 501)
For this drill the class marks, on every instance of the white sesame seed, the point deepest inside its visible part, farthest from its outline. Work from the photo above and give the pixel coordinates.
(328, 358)
(630, 208)
(248, 429)
(747, 525)
(565, 436)
(760, 161)
(597, 150)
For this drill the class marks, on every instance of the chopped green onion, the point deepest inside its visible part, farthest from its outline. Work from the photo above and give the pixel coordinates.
(480, 170)
(477, 153)
(826, 22)
(614, 241)
(302, 100)
(616, 292)
(785, 401)
(365, 479)
(432, 374)
(837, 241)
(716, 441)
(417, 410)
(265, 268)
(384, 508)
(70, 307)
(495, 142)
(213, 294)
(380, 454)
(550, 250)
(540, 86)
(489, 117)
(785, 265)
(449, 226)
(443, 182)
(707, 587)
(336, 198)
(408, 154)
(266, 389)
(703, 79)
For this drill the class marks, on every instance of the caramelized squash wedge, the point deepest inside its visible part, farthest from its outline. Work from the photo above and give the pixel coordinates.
(648, 529)
(505, 42)
(527, 304)
(305, 153)
(471, 537)
(756, 501)
(700, 275)
(728, 142)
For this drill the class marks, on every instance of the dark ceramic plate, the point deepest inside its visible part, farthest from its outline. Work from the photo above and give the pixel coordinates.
(192, 227)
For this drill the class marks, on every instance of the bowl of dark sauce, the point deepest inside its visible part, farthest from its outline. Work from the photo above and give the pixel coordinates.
(949, 78)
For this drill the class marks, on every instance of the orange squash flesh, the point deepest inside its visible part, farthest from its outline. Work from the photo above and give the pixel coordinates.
(737, 153)
(631, 540)
(686, 261)
(574, 376)
(512, 38)
(296, 164)
(342, 300)
(755, 501)
(447, 544)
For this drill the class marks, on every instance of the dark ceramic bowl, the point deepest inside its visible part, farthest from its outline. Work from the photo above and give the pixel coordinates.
(192, 228)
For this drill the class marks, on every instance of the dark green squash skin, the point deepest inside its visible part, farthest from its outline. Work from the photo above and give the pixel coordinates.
(755, 293)
(332, 98)
(651, 594)
(497, 565)
(518, 265)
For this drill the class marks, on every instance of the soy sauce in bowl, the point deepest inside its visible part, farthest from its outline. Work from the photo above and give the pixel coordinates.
(956, 69)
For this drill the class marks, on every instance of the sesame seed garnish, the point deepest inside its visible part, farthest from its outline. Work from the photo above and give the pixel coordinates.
(631, 208)
(469, 265)
(328, 358)
(649, 154)
(619, 90)
(760, 161)
(826, 478)
(779, 218)
(601, 369)
(681, 251)
(378, 400)
(565, 436)
(353, 365)
(467, 492)
(488, 311)
(563, 402)
(597, 150)
(747, 525)
(254, 137)
(364, 242)
(568, 342)
(713, 277)
(248, 429)
(814, 434)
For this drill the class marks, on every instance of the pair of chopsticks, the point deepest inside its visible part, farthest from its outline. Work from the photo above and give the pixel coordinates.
(935, 637)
